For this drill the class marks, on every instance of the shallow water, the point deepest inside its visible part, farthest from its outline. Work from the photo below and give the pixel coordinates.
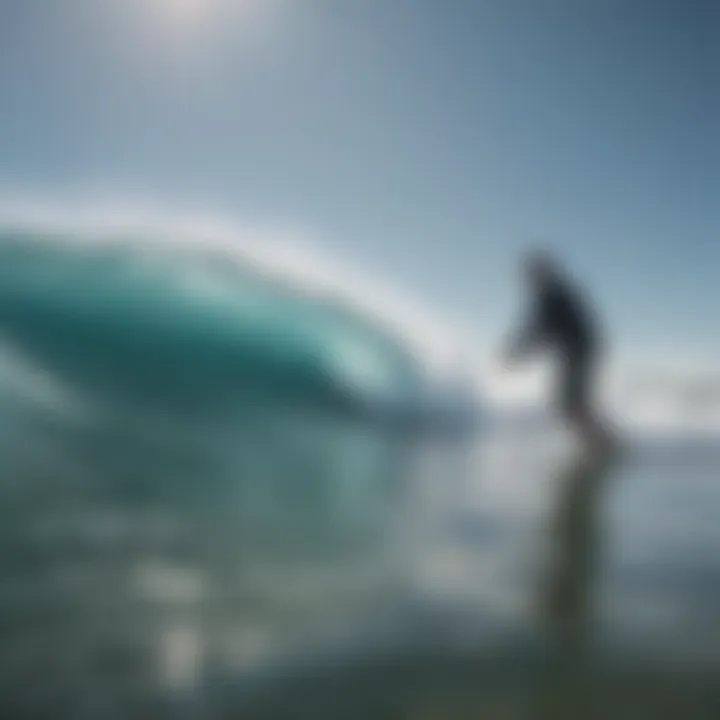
(334, 572)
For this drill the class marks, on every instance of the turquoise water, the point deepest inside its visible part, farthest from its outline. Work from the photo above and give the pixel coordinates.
(198, 521)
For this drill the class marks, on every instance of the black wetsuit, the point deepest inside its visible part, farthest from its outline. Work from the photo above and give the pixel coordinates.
(562, 321)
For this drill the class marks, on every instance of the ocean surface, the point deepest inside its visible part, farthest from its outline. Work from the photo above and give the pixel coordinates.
(218, 502)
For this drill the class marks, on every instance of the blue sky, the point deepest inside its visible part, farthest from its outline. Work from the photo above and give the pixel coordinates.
(428, 140)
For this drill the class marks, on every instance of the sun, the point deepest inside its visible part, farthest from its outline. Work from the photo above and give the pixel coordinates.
(188, 20)
(184, 13)
(179, 17)
(188, 10)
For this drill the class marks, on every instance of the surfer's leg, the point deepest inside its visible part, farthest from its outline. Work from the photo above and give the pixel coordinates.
(577, 404)
(595, 433)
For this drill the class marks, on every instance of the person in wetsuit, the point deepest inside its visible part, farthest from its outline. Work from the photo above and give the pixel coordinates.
(563, 322)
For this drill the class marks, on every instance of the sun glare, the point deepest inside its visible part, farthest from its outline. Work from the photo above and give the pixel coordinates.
(188, 22)
(187, 11)
(182, 14)
(187, 19)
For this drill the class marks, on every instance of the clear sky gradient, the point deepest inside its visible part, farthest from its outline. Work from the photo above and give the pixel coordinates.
(428, 139)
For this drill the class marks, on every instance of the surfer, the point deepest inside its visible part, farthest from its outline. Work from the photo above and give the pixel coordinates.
(562, 321)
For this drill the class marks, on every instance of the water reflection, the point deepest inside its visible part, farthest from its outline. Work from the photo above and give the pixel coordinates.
(566, 600)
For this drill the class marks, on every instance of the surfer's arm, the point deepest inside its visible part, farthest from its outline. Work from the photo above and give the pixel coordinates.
(528, 339)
